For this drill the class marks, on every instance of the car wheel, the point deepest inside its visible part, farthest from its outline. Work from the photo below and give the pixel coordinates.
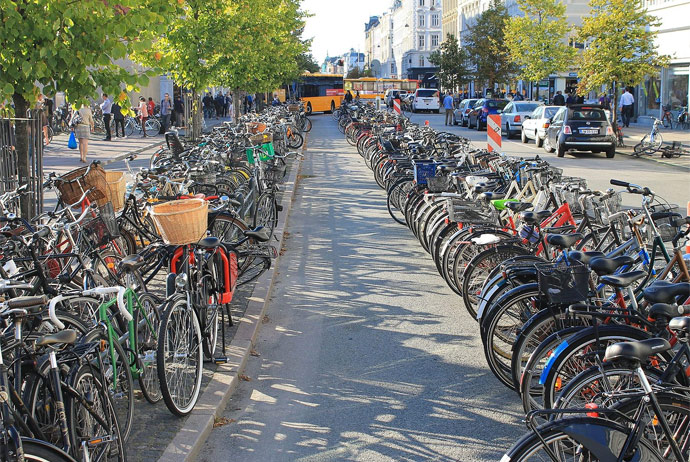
(455, 121)
(509, 134)
(611, 152)
(538, 141)
(560, 150)
(523, 138)
(547, 145)
(308, 111)
(463, 122)
(479, 125)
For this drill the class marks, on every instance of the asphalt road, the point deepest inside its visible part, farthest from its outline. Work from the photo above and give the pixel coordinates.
(366, 354)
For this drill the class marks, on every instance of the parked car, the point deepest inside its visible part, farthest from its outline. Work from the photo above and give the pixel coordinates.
(580, 127)
(426, 99)
(513, 115)
(463, 109)
(534, 125)
(482, 109)
(393, 93)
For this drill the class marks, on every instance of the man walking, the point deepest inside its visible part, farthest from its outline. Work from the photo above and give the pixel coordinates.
(448, 104)
(106, 108)
(179, 111)
(166, 107)
(208, 104)
(559, 99)
(626, 105)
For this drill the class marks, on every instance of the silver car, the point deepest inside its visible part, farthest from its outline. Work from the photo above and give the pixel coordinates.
(463, 109)
(534, 125)
(513, 115)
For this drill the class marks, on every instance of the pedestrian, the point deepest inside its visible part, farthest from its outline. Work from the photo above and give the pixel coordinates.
(106, 109)
(448, 104)
(226, 106)
(571, 99)
(41, 113)
(143, 114)
(276, 101)
(219, 102)
(626, 106)
(82, 121)
(518, 97)
(119, 119)
(559, 100)
(357, 96)
(166, 108)
(207, 103)
(179, 111)
(231, 107)
(580, 99)
(348, 97)
(151, 107)
(605, 101)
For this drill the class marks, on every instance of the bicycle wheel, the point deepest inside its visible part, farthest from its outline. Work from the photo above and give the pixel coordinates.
(295, 140)
(84, 425)
(266, 212)
(567, 444)
(208, 305)
(229, 229)
(41, 451)
(130, 126)
(148, 327)
(152, 125)
(179, 356)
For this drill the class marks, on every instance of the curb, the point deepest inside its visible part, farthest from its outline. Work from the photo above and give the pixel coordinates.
(187, 443)
(654, 160)
(136, 151)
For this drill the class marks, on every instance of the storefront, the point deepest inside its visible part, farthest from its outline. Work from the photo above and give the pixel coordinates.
(671, 87)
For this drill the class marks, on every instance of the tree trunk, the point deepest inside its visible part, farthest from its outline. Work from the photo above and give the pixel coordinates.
(21, 106)
(536, 98)
(614, 108)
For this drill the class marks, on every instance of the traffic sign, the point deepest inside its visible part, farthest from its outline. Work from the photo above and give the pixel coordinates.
(396, 105)
(493, 132)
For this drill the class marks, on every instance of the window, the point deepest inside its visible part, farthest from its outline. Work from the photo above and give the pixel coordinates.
(421, 42)
(421, 61)
(434, 20)
(421, 2)
(434, 40)
(421, 20)
(392, 68)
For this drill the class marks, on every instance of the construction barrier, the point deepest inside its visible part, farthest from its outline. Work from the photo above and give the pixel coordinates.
(493, 132)
(396, 106)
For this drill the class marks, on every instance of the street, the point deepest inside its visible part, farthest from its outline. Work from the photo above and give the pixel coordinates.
(367, 354)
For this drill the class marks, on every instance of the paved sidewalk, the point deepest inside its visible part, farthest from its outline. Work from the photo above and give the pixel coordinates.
(633, 134)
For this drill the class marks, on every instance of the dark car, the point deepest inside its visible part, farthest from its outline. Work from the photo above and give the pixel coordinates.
(580, 127)
(463, 109)
(482, 109)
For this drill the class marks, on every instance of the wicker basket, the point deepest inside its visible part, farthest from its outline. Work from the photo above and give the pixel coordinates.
(293, 107)
(261, 138)
(117, 187)
(74, 184)
(255, 127)
(181, 222)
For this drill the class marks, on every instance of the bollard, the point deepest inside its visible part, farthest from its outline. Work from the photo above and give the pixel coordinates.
(426, 123)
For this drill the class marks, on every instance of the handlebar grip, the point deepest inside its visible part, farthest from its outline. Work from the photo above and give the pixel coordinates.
(624, 184)
(43, 232)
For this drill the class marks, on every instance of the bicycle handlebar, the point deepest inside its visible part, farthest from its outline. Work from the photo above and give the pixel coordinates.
(111, 290)
(51, 311)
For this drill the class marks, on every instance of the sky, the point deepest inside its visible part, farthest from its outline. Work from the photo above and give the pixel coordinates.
(338, 25)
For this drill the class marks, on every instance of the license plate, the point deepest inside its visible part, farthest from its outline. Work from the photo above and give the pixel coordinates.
(589, 131)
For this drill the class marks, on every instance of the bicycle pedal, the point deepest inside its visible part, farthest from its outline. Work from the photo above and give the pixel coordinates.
(220, 360)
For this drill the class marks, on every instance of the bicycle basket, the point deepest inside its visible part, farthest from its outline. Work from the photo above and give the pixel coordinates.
(116, 189)
(561, 283)
(423, 170)
(72, 185)
(204, 177)
(102, 228)
(276, 173)
(438, 184)
(261, 138)
(181, 222)
(469, 213)
(667, 226)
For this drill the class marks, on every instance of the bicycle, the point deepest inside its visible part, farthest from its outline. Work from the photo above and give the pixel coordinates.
(651, 142)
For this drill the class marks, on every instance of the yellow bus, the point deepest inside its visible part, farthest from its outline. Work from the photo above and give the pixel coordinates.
(371, 87)
(320, 92)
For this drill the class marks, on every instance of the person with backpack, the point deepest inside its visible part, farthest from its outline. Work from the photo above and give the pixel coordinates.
(119, 119)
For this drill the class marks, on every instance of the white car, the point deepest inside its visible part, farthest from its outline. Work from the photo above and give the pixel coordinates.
(513, 115)
(426, 99)
(534, 125)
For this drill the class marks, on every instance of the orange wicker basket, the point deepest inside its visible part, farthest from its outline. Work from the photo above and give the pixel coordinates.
(293, 107)
(181, 222)
(117, 187)
(74, 184)
(256, 127)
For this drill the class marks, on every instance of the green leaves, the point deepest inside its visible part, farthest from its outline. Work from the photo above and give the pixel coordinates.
(537, 41)
(453, 63)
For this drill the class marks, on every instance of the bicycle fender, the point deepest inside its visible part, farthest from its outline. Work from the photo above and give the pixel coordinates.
(49, 447)
(599, 439)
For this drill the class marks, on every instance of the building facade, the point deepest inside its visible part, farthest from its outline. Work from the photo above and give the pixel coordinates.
(353, 59)
(449, 19)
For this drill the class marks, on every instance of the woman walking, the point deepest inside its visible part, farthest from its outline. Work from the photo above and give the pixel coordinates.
(83, 126)
(143, 114)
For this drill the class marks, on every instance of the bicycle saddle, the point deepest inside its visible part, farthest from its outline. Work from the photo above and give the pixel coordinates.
(666, 310)
(584, 257)
(532, 218)
(67, 336)
(666, 292)
(131, 263)
(638, 352)
(622, 280)
(680, 324)
(490, 196)
(563, 241)
(259, 234)
(210, 242)
(518, 206)
(603, 265)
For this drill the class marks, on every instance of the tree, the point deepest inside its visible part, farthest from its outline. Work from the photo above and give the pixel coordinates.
(537, 40)
(619, 47)
(72, 46)
(486, 46)
(306, 62)
(453, 63)
(353, 73)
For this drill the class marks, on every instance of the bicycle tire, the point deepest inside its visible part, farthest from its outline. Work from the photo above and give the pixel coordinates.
(179, 316)
(209, 305)
(266, 212)
(42, 451)
(147, 336)
(295, 141)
